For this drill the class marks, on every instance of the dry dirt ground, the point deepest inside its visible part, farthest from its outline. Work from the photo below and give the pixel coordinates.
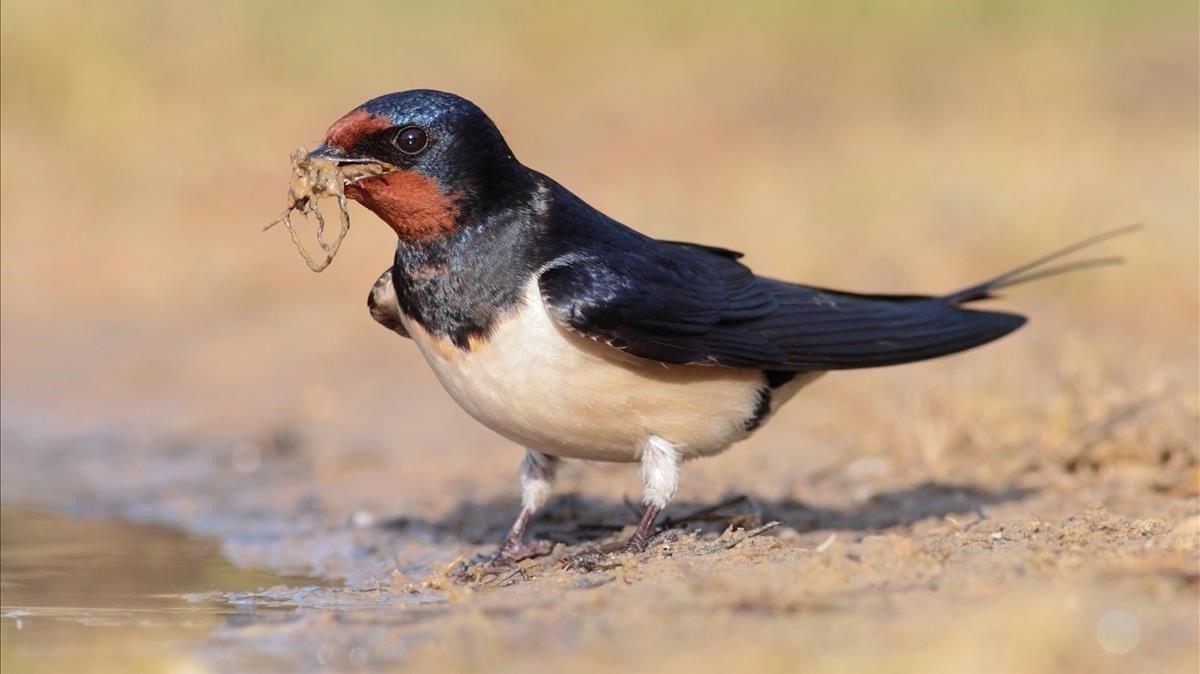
(1031, 506)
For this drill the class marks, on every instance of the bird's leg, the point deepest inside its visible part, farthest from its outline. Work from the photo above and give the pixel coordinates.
(660, 475)
(637, 542)
(537, 481)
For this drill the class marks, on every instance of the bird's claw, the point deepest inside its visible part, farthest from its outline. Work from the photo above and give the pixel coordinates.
(513, 551)
(590, 562)
(605, 558)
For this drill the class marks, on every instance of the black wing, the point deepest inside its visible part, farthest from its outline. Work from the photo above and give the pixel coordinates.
(685, 303)
(679, 303)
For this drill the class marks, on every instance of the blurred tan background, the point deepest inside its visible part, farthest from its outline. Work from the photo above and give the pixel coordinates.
(908, 146)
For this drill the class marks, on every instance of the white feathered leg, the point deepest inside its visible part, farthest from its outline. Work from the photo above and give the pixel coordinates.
(538, 472)
(660, 475)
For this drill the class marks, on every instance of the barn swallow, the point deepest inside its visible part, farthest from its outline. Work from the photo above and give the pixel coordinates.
(578, 337)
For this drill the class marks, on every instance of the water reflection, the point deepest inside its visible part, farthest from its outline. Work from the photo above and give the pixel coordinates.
(110, 596)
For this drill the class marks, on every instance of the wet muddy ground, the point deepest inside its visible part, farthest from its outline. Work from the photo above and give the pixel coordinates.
(105, 595)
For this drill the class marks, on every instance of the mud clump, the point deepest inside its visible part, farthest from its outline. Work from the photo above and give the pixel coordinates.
(315, 178)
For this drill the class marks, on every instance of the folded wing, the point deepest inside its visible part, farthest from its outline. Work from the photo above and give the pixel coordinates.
(683, 303)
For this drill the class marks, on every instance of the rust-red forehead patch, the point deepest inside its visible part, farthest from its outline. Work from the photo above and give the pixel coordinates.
(346, 131)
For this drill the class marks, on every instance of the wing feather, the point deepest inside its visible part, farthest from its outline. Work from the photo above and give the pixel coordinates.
(683, 303)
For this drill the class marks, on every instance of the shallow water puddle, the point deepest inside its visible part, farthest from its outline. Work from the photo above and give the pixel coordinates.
(104, 595)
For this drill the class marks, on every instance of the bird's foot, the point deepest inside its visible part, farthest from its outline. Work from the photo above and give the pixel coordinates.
(637, 542)
(514, 550)
(606, 556)
(590, 561)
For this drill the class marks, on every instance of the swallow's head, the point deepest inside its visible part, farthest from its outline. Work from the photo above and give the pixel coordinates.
(445, 161)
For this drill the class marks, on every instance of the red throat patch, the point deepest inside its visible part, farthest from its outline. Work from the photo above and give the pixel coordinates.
(410, 203)
(346, 131)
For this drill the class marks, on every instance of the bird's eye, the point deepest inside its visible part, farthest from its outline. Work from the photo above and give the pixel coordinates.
(412, 139)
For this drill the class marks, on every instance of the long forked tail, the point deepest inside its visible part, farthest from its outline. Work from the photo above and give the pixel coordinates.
(1037, 269)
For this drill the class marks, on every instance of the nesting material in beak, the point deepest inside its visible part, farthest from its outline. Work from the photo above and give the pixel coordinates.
(320, 175)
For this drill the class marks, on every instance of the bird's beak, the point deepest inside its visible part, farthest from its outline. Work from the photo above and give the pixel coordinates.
(334, 154)
(353, 168)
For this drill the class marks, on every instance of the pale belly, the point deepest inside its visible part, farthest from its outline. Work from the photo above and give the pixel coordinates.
(554, 391)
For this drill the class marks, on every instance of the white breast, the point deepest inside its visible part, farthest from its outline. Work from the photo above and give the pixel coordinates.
(538, 384)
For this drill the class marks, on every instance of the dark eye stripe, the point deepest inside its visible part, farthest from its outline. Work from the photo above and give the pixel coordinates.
(412, 139)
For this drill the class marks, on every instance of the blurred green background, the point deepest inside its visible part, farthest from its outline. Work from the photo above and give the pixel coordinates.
(884, 146)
